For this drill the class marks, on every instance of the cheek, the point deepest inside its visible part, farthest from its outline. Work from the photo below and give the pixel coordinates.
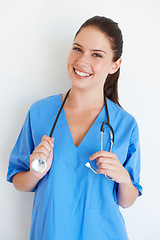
(71, 59)
(100, 68)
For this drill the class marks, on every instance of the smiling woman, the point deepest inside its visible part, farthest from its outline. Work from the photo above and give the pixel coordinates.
(91, 59)
(72, 202)
(111, 30)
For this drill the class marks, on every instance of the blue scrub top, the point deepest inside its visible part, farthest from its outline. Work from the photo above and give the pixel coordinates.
(71, 202)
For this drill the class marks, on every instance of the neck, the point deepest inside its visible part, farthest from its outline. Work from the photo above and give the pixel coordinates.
(85, 99)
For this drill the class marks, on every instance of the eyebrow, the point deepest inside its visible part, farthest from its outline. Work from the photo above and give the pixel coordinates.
(94, 50)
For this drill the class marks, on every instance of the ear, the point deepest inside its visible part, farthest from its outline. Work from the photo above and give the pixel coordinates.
(115, 66)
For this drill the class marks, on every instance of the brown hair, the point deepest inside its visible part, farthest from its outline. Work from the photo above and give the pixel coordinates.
(113, 32)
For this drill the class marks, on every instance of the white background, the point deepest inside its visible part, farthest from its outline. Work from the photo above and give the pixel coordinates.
(35, 40)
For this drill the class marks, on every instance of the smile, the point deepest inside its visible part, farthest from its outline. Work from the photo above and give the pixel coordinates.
(82, 74)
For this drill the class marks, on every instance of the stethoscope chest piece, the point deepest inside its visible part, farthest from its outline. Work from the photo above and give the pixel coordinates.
(39, 165)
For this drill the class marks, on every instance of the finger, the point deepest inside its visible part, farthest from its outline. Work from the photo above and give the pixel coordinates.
(106, 172)
(50, 140)
(106, 166)
(43, 149)
(46, 144)
(101, 154)
(104, 160)
(38, 155)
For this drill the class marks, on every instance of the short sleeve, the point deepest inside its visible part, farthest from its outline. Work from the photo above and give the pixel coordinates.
(20, 156)
(132, 163)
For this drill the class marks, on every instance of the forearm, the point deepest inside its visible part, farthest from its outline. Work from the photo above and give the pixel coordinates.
(25, 181)
(127, 194)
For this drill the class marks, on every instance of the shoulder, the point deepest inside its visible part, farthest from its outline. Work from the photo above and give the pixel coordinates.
(118, 112)
(46, 103)
(121, 117)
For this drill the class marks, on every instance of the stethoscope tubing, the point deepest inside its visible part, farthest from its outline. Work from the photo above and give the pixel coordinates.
(55, 122)
(39, 165)
(111, 144)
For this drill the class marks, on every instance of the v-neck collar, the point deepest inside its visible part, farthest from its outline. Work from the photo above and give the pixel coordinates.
(89, 130)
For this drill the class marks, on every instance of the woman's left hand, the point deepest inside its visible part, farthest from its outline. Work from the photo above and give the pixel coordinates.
(108, 164)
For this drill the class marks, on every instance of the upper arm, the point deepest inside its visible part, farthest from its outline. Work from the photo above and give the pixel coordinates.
(20, 156)
(133, 159)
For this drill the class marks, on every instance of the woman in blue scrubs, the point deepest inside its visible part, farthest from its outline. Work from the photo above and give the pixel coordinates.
(71, 201)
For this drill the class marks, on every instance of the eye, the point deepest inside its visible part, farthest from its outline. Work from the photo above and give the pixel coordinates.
(97, 55)
(77, 49)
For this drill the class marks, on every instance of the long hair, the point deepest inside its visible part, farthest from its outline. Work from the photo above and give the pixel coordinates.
(114, 34)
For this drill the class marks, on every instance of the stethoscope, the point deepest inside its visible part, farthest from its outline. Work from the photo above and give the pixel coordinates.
(39, 165)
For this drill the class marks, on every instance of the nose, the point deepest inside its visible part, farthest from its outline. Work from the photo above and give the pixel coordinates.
(83, 60)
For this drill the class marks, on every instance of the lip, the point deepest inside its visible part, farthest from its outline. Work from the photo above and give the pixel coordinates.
(81, 77)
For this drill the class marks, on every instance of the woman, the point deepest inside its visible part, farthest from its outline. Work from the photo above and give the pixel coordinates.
(71, 201)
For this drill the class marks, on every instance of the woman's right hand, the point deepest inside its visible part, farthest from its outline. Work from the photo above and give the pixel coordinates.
(44, 151)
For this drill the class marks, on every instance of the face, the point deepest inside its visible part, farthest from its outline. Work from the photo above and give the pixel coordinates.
(91, 59)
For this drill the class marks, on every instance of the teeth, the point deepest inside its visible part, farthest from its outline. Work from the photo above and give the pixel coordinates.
(82, 74)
